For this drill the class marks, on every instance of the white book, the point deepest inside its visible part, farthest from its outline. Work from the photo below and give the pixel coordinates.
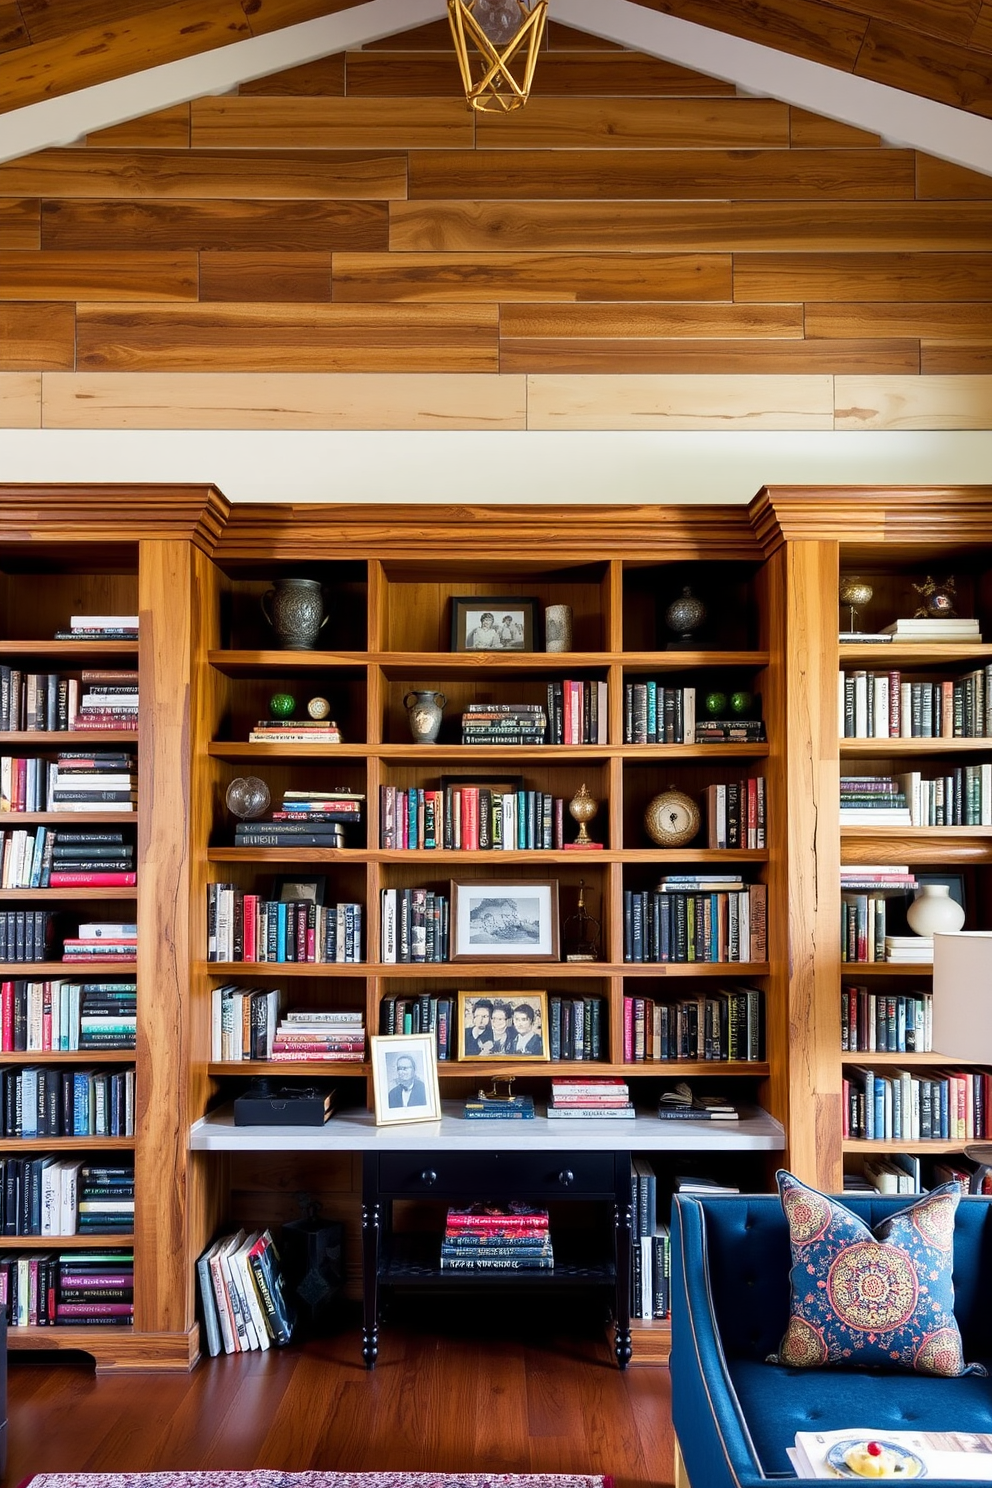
(69, 1196)
(106, 930)
(881, 706)
(388, 948)
(103, 622)
(250, 1292)
(238, 1315)
(208, 1302)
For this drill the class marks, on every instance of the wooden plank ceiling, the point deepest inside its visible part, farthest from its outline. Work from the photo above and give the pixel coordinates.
(939, 49)
(638, 249)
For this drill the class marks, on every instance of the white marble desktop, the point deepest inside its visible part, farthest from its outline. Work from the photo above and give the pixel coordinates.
(356, 1131)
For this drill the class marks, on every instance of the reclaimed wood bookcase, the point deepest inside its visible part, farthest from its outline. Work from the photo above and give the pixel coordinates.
(195, 567)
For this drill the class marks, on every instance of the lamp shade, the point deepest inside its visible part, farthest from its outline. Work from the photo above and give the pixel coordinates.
(962, 995)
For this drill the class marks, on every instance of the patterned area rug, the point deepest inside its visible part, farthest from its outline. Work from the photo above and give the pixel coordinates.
(271, 1479)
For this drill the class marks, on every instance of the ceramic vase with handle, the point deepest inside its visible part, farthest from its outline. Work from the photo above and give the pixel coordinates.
(425, 711)
(933, 911)
(295, 610)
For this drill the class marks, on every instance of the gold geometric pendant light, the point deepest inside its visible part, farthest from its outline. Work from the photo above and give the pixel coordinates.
(491, 37)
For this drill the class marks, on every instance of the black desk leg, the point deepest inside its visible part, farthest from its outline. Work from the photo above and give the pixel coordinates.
(371, 1223)
(623, 1230)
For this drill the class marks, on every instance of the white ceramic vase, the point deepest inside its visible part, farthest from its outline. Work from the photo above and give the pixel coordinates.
(933, 911)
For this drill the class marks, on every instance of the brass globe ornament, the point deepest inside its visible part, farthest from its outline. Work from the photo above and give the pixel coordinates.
(855, 593)
(582, 808)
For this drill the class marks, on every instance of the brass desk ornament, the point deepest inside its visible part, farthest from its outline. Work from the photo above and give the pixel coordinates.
(582, 808)
(581, 931)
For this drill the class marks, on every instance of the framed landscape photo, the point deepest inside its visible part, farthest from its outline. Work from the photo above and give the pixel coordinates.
(503, 1025)
(493, 622)
(504, 921)
(404, 1078)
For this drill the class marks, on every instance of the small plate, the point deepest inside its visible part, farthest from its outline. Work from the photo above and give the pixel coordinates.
(909, 1465)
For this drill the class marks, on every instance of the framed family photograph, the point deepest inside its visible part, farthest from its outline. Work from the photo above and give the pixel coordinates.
(503, 1025)
(404, 1078)
(504, 921)
(493, 622)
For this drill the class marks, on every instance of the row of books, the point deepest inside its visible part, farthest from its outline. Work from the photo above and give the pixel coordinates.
(582, 1100)
(49, 1195)
(882, 705)
(885, 1022)
(245, 1024)
(471, 818)
(44, 1101)
(243, 1296)
(656, 714)
(46, 702)
(497, 1237)
(577, 712)
(26, 934)
(72, 782)
(575, 1027)
(51, 859)
(100, 628)
(696, 917)
(650, 1281)
(77, 1288)
(903, 1105)
(960, 797)
(56, 1016)
(725, 1023)
(736, 813)
(243, 926)
(416, 926)
(862, 927)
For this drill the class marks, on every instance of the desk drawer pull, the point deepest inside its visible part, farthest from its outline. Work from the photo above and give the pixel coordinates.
(428, 1176)
(565, 1177)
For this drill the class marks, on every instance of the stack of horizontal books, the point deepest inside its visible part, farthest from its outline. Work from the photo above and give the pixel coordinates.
(306, 818)
(684, 1104)
(602, 1099)
(316, 1034)
(484, 1107)
(909, 948)
(101, 940)
(955, 628)
(94, 780)
(108, 700)
(730, 731)
(295, 731)
(497, 1237)
(872, 801)
(504, 723)
(100, 628)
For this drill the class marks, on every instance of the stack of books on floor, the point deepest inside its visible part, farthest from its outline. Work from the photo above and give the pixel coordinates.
(305, 819)
(606, 1099)
(872, 801)
(682, 1103)
(955, 628)
(243, 1295)
(101, 940)
(295, 731)
(94, 780)
(504, 723)
(79, 1288)
(651, 1253)
(107, 700)
(497, 1237)
(909, 948)
(314, 1035)
(100, 628)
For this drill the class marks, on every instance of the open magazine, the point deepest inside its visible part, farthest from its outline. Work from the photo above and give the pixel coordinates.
(943, 1454)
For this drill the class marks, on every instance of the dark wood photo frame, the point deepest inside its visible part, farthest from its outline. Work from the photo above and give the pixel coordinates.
(511, 619)
(504, 920)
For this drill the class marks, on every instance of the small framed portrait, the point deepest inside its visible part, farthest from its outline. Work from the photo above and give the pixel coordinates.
(493, 622)
(404, 1078)
(503, 1025)
(504, 921)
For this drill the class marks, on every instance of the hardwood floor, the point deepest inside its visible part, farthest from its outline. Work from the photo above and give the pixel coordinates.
(480, 1390)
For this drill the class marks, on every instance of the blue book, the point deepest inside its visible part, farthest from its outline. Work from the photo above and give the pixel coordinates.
(521, 820)
(652, 711)
(281, 913)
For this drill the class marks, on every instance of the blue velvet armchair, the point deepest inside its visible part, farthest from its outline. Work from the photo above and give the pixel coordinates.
(734, 1414)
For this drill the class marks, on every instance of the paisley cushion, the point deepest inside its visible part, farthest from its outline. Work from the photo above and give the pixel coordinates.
(882, 1297)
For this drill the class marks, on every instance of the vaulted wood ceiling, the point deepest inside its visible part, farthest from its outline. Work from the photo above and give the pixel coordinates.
(938, 49)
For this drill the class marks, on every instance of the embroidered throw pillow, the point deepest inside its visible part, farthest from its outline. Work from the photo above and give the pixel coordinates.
(881, 1297)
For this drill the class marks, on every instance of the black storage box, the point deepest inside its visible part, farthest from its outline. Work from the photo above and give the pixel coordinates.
(265, 1103)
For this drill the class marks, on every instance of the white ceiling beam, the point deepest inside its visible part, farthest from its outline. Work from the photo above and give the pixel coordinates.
(900, 118)
(62, 121)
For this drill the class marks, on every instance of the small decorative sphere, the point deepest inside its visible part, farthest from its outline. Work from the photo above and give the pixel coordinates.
(281, 704)
(715, 704)
(247, 797)
(686, 613)
(740, 702)
(319, 707)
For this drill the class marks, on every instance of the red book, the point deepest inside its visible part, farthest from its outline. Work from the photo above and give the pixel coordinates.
(470, 817)
(46, 1015)
(628, 1030)
(7, 1017)
(591, 1100)
(250, 913)
(101, 880)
